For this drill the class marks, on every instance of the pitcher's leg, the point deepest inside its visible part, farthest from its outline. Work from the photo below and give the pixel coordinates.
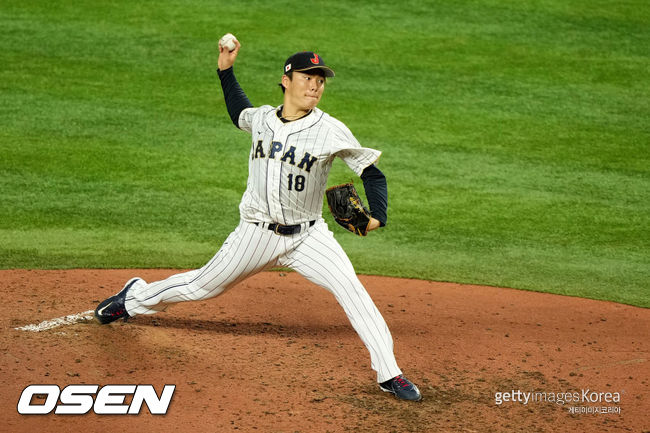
(245, 252)
(320, 259)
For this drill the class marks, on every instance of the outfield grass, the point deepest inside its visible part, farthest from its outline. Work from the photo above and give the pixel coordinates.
(515, 136)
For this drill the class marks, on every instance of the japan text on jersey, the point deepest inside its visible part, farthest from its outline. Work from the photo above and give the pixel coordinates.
(289, 163)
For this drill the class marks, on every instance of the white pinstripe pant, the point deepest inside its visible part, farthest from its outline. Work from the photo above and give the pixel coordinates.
(314, 253)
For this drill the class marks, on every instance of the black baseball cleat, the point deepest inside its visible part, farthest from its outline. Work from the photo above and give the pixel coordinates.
(402, 388)
(113, 308)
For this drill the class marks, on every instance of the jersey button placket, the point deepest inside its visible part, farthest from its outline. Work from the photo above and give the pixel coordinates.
(274, 181)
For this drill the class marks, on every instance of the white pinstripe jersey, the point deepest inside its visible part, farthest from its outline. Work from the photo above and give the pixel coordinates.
(289, 163)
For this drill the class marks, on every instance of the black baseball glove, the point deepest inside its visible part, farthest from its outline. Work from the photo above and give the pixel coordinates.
(347, 208)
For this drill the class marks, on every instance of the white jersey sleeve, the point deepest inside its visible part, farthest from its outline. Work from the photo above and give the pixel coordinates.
(246, 120)
(346, 147)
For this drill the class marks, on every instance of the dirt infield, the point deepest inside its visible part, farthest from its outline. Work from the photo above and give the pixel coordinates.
(277, 354)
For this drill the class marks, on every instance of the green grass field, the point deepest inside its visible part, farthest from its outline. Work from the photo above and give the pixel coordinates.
(515, 135)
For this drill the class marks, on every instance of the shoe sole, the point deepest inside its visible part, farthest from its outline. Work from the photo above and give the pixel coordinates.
(399, 398)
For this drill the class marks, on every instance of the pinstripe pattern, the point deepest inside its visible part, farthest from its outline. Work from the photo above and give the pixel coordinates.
(321, 260)
(248, 250)
(314, 253)
(268, 197)
(288, 169)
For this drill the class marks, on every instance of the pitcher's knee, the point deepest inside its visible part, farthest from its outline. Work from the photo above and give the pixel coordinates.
(196, 291)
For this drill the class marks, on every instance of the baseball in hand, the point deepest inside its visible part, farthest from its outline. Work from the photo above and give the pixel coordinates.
(228, 41)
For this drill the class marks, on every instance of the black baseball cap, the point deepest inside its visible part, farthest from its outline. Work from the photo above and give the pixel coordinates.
(305, 61)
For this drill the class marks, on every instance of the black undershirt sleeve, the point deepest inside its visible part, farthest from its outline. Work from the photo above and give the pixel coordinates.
(236, 99)
(374, 183)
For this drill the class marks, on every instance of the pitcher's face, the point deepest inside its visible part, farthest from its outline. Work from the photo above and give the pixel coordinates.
(304, 90)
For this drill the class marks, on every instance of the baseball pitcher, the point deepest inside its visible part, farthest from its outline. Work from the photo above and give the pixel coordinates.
(291, 151)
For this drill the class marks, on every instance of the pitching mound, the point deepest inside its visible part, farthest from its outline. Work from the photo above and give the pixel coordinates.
(277, 354)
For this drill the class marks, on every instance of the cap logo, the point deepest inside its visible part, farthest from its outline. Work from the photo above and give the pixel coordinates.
(287, 68)
(315, 60)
